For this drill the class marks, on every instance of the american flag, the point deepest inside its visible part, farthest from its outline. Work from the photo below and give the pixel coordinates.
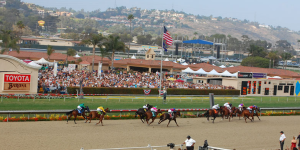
(147, 92)
(167, 37)
(161, 92)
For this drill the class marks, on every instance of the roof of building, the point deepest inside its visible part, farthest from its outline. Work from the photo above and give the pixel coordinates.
(84, 63)
(150, 51)
(39, 55)
(96, 60)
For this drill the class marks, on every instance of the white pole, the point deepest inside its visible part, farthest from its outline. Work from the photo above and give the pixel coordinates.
(162, 52)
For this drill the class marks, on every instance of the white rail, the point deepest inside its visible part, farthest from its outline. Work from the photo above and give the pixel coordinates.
(147, 147)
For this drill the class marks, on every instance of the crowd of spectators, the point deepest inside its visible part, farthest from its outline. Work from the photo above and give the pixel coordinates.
(49, 82)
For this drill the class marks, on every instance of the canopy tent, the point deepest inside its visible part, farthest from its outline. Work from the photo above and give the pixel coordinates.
(235, 74)
(179, 80)
(188, 70)
(77, 56)
(275, 77)
(231, 66)
(166, 59)
(42, 61)
(171, 79)
(198, 41)
(226, 73)
(200, 71)
(34, 64)
(133, 57)
(222, 66)
(184, 64)
(213, 72)
(27, 61)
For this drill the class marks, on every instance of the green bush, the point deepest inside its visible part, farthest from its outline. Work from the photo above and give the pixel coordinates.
(95, 90)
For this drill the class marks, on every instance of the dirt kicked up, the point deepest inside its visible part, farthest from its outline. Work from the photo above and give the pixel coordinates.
(50, 135)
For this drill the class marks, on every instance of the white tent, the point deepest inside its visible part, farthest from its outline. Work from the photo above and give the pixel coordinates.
(200, 71)
(214, 65)
(166, 59)
(55, 69)
(222, 66)
(184, 64)
(275, 77)
(42, 61)
(34, 64)
(181, 60)
(226, 73)
(188, 70)
(231, 66)
(77, 56)
(235, 74)
(133, 57)
(213, 72)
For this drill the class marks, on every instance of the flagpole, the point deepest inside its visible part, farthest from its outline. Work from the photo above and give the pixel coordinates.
(162, 52)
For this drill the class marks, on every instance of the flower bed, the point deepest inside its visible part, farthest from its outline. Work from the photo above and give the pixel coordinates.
(58, 117)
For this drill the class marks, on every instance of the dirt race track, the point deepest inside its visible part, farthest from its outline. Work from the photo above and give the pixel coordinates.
(57, 135)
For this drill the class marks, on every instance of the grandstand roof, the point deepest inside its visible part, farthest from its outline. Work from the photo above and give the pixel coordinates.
(39, 55)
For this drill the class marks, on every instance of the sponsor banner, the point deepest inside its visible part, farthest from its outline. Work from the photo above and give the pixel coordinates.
(16, 86)
(17, 78)
(147, 92)
(260, 75)
(244, 75)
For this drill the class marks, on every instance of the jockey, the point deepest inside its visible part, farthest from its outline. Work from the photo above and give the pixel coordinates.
(100, 110)
(227, 105)
(80, 107)
(250, 108)
(146, 107)
(241, 106)
(153, 110)
(216, 107)
(171, 112)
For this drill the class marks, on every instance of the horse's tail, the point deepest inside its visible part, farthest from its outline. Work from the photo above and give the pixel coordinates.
(206, 114)
(68, 113)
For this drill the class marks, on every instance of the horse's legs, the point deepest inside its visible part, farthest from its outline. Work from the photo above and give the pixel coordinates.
(258, 117)
(75, 118)
(69, 117)
(169, 122)
(152, 120)
(176, 122)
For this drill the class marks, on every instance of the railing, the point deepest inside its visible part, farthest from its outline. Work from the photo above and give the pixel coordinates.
(146, 147)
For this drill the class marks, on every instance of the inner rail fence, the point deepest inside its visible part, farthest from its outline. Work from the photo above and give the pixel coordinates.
(154, 147)
(229, 98)
(48, 112)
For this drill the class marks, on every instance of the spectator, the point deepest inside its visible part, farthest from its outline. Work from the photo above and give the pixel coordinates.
(293, 143)
(189, 142)
(281, 139)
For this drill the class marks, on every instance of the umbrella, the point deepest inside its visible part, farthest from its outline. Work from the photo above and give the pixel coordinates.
(171, 79)
(179, 80)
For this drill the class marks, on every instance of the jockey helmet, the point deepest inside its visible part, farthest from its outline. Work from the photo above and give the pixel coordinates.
(155, 106)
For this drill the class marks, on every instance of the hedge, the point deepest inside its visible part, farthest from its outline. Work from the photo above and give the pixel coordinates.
(95, 90)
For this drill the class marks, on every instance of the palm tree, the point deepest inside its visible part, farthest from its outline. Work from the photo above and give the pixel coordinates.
(49, 51)
(21, 26)
(130, 18)
(285, 56)
(114, 44)
(70, 52)
(103, 52)
(8, 42)
(93, 39)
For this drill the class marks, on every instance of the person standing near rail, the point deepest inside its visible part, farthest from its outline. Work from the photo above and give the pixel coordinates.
(189, 143)
(281, 140)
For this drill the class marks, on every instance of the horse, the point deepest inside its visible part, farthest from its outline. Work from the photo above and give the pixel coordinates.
(247, 114)
(225, 112)
(149, 116)
(95, 114)
(211, 113)
(232, 112)
(75, 113)
(166, 116)
(255, 113)
(141, 112)
(239, 112)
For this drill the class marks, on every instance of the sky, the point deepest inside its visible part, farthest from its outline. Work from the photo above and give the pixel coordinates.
(282, 13)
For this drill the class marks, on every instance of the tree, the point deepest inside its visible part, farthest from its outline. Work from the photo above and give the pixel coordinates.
(114, 44)
(257, 51)
(81, 16)
(255, 62)
(9, 41)
(93, 39)
(103, 52)
(298, 41)
(274, 57)
(285, 56)
(195, 34)
(49, 51)
(21, 26)
(130, 18)
(70, 52)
